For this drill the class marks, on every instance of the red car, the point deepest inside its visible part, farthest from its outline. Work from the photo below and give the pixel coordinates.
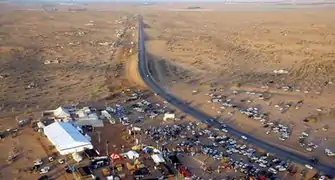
(185, 172)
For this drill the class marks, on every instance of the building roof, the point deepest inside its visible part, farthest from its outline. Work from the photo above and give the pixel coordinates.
(65, 136)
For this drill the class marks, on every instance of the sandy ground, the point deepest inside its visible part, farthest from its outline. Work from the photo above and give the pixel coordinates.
(85, 70)
(29, 146)
(240, 50)
(30, 38)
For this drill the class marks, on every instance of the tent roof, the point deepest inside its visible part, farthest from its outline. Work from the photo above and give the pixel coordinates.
(132, 154)
(65, 136)
(61, 112)
(158, 158)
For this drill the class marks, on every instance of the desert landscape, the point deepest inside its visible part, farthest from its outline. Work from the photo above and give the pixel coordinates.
(52, 55)
(285, 55)
(267, 70)
(48, 58)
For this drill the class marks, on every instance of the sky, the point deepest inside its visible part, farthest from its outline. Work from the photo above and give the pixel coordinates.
(150, 0)
(297, 1)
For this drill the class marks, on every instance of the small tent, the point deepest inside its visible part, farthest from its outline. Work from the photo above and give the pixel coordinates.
(62, 113)
(147, 149)
(158, 158)
(132, 155)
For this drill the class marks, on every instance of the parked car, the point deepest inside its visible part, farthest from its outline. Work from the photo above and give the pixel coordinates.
(308, 166)
(185, 172)
(45, 169)
(61, 161)
(38, 162)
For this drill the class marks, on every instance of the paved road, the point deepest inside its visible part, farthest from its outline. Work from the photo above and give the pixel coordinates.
(203, 117)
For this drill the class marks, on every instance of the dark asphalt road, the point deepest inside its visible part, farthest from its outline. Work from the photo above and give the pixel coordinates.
(203, 117)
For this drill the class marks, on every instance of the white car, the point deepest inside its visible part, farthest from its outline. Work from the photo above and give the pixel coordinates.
(262, 165)
(244, 137)
(38, 162)
(51, 159)
(44, 170)
(308, 166)
(272, 170)
(281, 169)
(61, 161)
(224, 130)
(329, 152)
(243, 147)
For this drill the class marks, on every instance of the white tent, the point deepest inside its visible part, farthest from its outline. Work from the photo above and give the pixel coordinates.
(66, 138)
(61, 113)
(158, 158)
(132, 155)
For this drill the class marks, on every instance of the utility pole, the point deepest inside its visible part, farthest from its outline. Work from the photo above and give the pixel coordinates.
(71, 167)
(107, 152)
(135, 138)
(99, 139)
(140, 139)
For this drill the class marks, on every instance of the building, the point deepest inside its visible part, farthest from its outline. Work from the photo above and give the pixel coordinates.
(85, 117)
(66, 138)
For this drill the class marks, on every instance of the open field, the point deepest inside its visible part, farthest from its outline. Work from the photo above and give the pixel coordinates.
(50, 58)
(57, 56)
(227, 51)
(235, 44)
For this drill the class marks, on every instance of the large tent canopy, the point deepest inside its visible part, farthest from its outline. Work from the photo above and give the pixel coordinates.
(66, 138)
